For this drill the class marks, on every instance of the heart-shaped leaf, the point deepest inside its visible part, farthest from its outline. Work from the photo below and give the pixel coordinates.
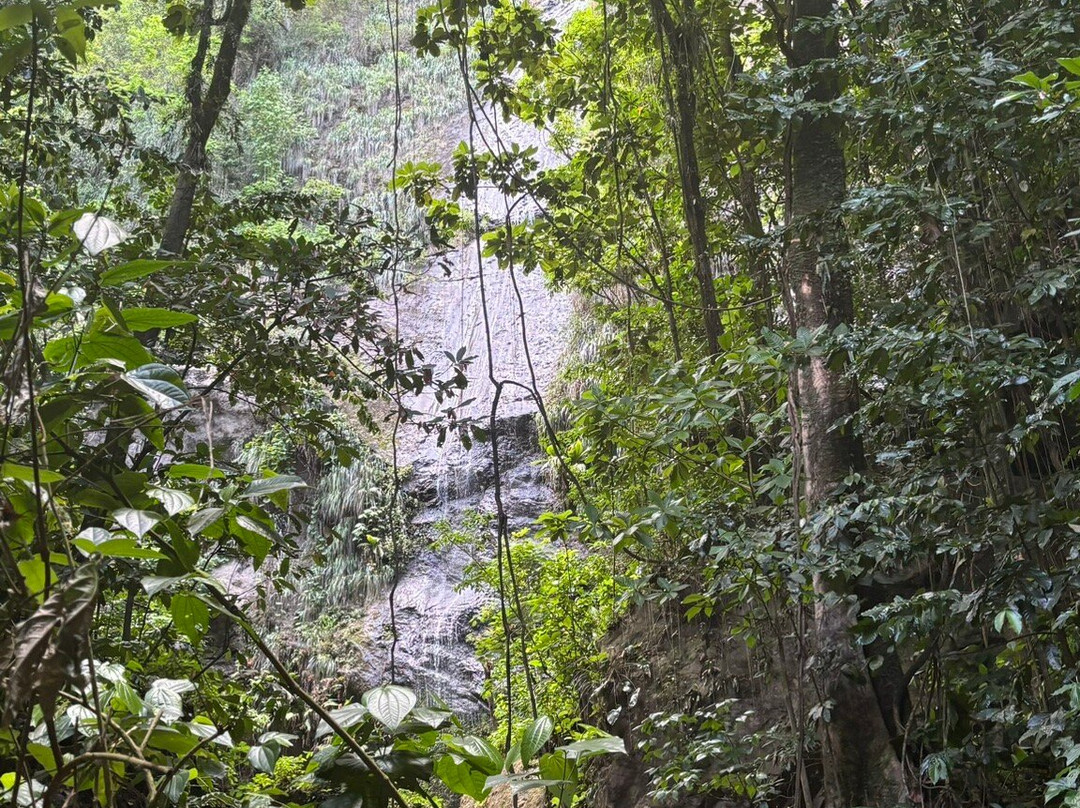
(138, 522)
(390, 704)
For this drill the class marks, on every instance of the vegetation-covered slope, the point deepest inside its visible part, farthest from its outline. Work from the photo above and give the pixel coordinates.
(818, 451)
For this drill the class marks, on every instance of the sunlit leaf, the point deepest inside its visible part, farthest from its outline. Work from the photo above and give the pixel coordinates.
(390, 704)
(98, 233)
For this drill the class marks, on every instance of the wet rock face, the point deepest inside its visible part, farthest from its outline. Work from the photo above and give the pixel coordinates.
(432, 611)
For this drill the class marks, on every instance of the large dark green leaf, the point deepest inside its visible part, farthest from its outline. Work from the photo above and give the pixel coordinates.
(161, 385)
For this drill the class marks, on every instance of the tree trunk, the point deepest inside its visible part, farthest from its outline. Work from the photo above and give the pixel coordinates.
(203, 116)
(861, 767)
(680, 38)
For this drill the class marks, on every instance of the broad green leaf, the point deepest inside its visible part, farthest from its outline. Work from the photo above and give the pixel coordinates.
(166, 696)
(133, 270)
(271, 485)
(97, 535)
(128, 698)
(33, 573)
(18, 14)
(533, 737)
(478, 752)
(263, 758)
(72, 31)
(140, 319)
(15, 471)
(462, 778)
(607, 745)
(254, 537)
(174, 501)
(560, 770)
(190, 615)
(118, 548)
(43, 755)
(194, 471)
(348, 716)
(160, 384)
(98, 233)
(111, 672)
(1010, 616)
(200, 520)
(430, 718)
(14, 54)
(66, 352)
(171, 739)
(390, 704)
(1072, 64)
(176, 785)
(282, 739)
(519, 782)
(138, 522)
(204, 728)
(153, 584)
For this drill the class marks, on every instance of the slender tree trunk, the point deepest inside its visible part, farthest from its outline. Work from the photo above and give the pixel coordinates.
(680, 38)
(205, 110)
(860, 764)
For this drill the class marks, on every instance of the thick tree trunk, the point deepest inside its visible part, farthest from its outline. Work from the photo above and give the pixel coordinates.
(860, 764)
(204, 114)
(680, 38)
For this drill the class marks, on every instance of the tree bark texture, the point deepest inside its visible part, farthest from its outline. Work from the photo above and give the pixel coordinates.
(680, 38)
(861, 767)
(204, 112)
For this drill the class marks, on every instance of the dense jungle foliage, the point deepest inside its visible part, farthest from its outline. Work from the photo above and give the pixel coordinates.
(816, 432)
